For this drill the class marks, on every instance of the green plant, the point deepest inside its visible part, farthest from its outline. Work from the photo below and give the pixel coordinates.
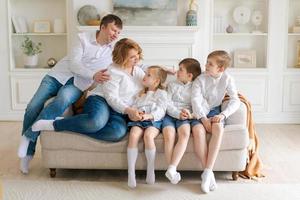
(30, 48)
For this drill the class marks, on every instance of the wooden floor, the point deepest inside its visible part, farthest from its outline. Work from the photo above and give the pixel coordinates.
(279, 150)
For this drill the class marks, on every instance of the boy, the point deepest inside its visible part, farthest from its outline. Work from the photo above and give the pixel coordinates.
(208, 92)
(179, 116)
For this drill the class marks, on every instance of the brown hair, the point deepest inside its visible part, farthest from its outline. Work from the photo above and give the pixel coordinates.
(107, 19)
(121, 49)
(222, 58)
(192, 66)
(160, 74)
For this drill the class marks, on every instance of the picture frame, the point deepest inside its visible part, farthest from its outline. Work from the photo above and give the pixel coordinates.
(41, 26)
(298, 55)
(244, 58)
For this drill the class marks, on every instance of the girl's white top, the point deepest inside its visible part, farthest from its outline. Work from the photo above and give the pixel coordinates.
(179, 95)
(120, 91)
(153, 102)
(208, 92)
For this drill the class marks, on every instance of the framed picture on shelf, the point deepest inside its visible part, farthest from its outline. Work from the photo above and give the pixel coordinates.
(298, 54)
(41, 26)
(244, 58)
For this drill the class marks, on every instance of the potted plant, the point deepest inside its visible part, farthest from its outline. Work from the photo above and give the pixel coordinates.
(31, 51)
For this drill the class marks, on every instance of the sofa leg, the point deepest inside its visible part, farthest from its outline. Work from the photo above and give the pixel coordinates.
(235, 175)
(52, 172)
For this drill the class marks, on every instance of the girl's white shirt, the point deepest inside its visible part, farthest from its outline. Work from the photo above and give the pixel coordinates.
(179, 97)
(209, 92)
(153, 102)
(120, 91)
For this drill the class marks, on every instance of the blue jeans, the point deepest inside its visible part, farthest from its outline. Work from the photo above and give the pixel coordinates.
(98, 120)
(176, 123)
(49, 87)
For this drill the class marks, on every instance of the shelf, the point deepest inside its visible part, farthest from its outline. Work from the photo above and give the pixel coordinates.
(39, 34)
(146, 28)
(240, 34)
(35, 69)
(293, 34)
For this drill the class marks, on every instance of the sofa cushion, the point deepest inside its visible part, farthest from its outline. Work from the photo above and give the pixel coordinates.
(235, 137)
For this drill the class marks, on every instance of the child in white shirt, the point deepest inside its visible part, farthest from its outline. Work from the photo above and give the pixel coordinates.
(152, 104)
(179, 116)
(208, 92)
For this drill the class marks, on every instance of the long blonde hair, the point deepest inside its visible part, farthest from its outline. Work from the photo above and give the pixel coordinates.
(160, 74)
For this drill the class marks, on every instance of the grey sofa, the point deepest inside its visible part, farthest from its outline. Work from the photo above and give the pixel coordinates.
(66, 150)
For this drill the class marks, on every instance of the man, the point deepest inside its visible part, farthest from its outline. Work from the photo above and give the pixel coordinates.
(72, 75)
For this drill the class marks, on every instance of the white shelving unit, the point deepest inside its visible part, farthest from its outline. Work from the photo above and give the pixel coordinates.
(24, 81)
(31, 10)
(242, 37)
(293, 38)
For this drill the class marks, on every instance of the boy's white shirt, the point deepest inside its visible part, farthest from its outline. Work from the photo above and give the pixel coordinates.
(208, 92)
(120, 91)
(179, 96)
(153, 102)
(86, 58)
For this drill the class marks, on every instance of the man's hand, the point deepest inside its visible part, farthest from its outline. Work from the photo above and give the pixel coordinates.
(217, 118)
(101, 76)
(206, 123)
(133, 114)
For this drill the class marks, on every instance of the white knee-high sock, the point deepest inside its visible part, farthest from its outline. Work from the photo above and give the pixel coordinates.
(132, 154)
(150, 156)
(22, 151)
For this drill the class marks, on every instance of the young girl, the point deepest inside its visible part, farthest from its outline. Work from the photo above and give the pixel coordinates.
(208, 92)
(151, 103)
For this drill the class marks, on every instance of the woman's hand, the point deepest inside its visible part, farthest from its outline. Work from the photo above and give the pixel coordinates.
(133, 114)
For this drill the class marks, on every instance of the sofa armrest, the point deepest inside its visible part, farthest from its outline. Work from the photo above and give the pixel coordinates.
(238, 117)
(68, 112)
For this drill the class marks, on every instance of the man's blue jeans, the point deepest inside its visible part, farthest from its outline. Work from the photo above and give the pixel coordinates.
(49, 87)
(98, 121)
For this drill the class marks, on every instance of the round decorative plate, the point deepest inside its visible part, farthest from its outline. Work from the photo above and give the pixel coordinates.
(241, 15)
(85, 13)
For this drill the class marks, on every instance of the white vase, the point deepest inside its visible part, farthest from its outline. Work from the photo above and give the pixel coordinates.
(58, 26)
(30, 61)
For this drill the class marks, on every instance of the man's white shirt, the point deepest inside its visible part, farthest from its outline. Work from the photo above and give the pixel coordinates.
(86, 58)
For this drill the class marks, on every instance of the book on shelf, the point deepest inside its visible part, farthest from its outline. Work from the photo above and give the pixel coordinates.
(19, 24)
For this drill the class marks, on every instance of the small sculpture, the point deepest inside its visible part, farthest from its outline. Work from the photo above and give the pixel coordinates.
(229, 29)
(256, 20)
(51, 62)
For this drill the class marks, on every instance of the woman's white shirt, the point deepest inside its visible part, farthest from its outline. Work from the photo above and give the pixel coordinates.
(120, 91)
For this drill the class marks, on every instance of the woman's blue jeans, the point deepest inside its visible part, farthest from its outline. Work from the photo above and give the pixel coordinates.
(98, 120)
(65, 95)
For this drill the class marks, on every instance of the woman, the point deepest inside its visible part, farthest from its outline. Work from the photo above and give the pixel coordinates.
(107, 107)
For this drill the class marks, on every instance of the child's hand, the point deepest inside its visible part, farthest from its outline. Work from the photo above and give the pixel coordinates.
(206, 123)
(187, 113)
(217, 118)
(146, 117)
(184, 114)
